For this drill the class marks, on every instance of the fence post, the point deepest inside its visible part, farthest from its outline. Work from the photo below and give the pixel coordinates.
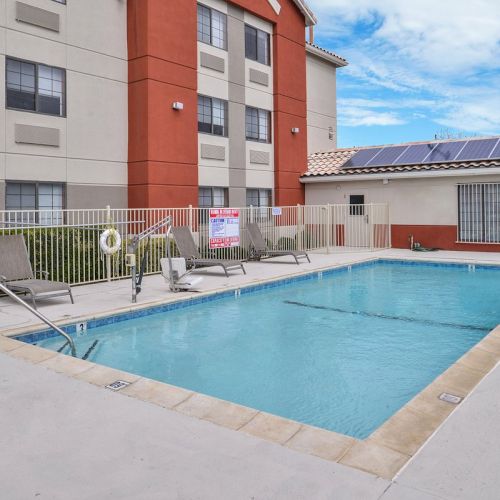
(371, 227)
(190, 217)
(328, 228)
(108, 257)
(299, 224)
(388, 218)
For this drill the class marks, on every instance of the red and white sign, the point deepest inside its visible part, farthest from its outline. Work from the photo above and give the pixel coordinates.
(224, 228)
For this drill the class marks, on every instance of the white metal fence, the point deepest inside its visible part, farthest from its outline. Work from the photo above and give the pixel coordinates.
(65, 243)
(479, 213)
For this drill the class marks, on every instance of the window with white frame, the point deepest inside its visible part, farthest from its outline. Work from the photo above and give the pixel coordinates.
(35, 87)
(47, 198)
(257, 45)
(212, 115)
(258, 124)
(212, 27)
(479, 213)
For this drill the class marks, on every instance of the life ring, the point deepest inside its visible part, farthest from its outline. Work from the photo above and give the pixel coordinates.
(103, 241)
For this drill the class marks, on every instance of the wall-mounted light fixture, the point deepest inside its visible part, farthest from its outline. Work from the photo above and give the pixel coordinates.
(295, 130)
(178, 105)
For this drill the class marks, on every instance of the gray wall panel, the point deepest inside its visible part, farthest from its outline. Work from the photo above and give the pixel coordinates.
(2, 195)
(213, 152)
(259, 77)
(92, 196)
(236, 76)
(37, 17)
(260, 157)
(30, 134)
(212, 62)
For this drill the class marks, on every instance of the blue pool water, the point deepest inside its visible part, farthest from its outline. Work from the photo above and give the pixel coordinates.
(343, 353)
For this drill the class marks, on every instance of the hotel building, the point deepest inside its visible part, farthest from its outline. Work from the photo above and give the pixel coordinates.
(154, 103)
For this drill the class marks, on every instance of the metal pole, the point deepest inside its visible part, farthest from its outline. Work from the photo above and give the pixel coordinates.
(328, 228)
(39, 315)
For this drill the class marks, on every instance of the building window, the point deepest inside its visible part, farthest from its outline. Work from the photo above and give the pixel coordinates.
(212, 27)
(45, 197)
(213, 197)
(479, 213)
(35, 87)
(257, 45)
(357, 204)
(259, 197)
(258, 125)
(212, 116)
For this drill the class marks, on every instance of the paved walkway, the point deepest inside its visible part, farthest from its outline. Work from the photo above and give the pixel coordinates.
(62, 438)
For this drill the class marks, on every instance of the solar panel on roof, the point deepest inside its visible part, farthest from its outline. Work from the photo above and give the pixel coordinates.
(445, 151)
(386, 156)
(414, 154)
(496, 152)
(362, 157)
(477, 150)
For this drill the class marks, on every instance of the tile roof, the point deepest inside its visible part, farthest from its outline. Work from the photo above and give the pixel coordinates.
(320, 51)
(329, 163)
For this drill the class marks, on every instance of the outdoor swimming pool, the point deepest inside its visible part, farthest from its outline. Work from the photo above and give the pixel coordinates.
(342, 350)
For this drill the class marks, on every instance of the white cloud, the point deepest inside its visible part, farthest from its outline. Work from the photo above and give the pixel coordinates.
(421, 58)
(436, 35)
(358, 116)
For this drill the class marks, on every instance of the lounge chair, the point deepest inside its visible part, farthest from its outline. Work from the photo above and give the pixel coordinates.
(16, 272)
(261, 250)
(189, 251)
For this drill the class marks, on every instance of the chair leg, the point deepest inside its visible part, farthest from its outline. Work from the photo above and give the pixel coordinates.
(225, 270)
(33, 301)
(71, 297)
(243, 269)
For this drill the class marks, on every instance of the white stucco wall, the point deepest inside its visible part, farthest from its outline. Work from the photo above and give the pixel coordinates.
(416, 201)
(92, 46)
(321, 104)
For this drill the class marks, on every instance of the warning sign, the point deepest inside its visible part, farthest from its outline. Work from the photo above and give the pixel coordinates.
(224, 228)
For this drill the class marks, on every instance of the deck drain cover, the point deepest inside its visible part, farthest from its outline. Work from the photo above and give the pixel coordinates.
(117, 385)
(450, 398)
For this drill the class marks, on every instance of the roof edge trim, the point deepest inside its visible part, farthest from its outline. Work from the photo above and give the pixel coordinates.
(308, 13)
(459, 172)
(338, 61)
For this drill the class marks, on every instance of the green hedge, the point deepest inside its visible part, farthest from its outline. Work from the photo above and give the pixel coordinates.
(73, 255)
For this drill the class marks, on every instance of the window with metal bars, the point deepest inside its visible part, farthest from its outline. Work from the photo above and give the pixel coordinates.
(479, 213)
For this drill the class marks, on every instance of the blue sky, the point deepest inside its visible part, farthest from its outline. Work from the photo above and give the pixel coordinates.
(416, 67)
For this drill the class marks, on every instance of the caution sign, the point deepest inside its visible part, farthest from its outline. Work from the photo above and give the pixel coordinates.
(224, 228)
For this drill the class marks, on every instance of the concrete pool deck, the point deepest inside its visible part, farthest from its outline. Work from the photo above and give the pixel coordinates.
(232, 465)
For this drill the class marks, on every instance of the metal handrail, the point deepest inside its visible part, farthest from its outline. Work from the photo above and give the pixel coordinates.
(39, 315)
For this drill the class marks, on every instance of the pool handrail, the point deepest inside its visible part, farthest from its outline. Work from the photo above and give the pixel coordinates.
(39, 315)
